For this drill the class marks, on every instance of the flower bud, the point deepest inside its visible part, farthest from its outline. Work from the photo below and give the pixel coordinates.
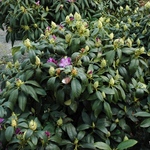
(53, 25)
(142, 50)
(9, 65)
(22, 9)
(19, 82)
(117, 120)
(99, 24)
(108, 134)
(147, 5)
(117, 26)
(13, 123)
(87, 33)
(127, 8)
(37, 61)
(129, 20)
(129, 42)
(125, 138)
(121, 8)
(59, 121)
(32, 125)
(111, 82)
(138, 42)
(77, 16)
(96, 84)
(74, 72)
(7, 83)
(51, 71)
(27, 43)
(47, 9)
(17, 64)
(35, 25)
(111, 36)
(144, 31)
(87, 48)
(68, 38)
(137, 24)
(125, 27)
(67, 19)
(103, 63)
(103, 94)
(76, 141)
(9, 29)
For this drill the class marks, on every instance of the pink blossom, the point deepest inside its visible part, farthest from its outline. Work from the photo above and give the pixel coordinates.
(66, 61)
(52, 60)
(37, 3)
(47, 133)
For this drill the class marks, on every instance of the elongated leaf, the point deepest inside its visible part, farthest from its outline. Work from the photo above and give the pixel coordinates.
(108, 91)
(102, 146)
(107, 109)
(126, 144)
(142, 114)
(32, 82)
(76, 88)
(71, 131)
(9, 133)
(145, 123)
(13, 96)
(51, 83)
(22, 100)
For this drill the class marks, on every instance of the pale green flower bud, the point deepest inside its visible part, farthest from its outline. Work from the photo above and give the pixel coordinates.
(111, 36)
(125, 27)
(77, 16)
(102, 19)
(129, 42)
(87, 48)
(127, 8)
(125, 138)
(19, 82)
(53, 25)
(96, 84)
(103, 63)
(59, 121)
(144, 31)
(147, 5)
(117, 26)
(108, 20)
(99, 24)
(138, 42)
(67, 19)
(37, 61)
(129, 20)
(142, 49)
(87, 33)
(32, 125)
(17, 64)
(137, 24)
(121, 8)
(9, 65)
(47, 9)
(7, 83)
(27, 43)
(103, 94)
(13, 123)
(68, 38)
(111, 82)
(51, 71)
(52, 41)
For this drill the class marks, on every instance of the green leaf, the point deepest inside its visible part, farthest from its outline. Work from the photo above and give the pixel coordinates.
(8, 105)
(80, 135)
(142, 114)
(40, 91)
(34, 140)
(145, 123)
(28, 133)
(96, 30)
(15, 49)
(126, 144)
(74, 106)
(102, 146)
(60, 95)
(32, 92)
(32, 56)
(51, 83)
(22, 100)
(13, 96)
(83, 127)
(71, 131)
(110, 56)
(76, 88)
(32, 82)
(107, 109)
(99, 95)
(108, 90)
(23, 124)
(56, 139)
(88, 146)
(9, 133)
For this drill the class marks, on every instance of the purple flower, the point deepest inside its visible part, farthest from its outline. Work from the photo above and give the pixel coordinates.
(71, 18)
(54, 37)
(52, 60)
(48, 28)
(1, 120)
(47, 133)
(66, 61)
(37, 3)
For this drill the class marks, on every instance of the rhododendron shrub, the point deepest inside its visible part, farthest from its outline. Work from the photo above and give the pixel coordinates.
(81, 85)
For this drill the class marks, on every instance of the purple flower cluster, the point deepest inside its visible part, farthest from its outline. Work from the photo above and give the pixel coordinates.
(37, 3)
(52, 60)
(47, 133)
(66, 61)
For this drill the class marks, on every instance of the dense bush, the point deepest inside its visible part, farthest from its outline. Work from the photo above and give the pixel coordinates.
(28, 18)
(83, 85)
